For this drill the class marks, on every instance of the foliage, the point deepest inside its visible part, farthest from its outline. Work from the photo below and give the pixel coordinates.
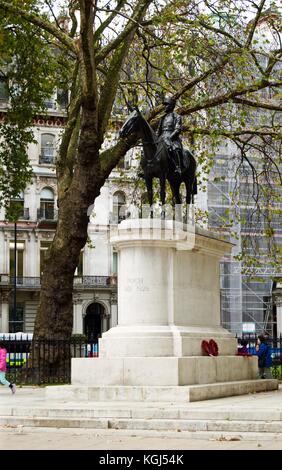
(30, 71)
(221, 60)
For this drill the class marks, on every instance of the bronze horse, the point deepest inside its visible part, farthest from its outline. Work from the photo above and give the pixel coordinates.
(156, 162)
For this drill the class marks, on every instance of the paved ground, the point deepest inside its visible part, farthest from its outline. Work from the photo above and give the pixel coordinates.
(35, 397)
(52, 438)
(74, 439)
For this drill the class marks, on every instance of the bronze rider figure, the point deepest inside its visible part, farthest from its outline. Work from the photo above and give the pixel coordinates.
(169, 129)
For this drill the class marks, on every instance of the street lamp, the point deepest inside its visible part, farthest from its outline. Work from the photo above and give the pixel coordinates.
(15, 275)
(14, 212)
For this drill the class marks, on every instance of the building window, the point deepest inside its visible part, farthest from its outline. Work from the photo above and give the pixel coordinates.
(115, 263)
(44, 246)
(50, 103)
(16, 210)
(118, 206)
(62, 98)
(4, 90)
(79, 269)
(16, 319)
(19, 260)
(47, 153)
(46, 210)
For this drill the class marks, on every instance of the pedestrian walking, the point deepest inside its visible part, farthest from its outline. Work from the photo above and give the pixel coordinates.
(3, 368)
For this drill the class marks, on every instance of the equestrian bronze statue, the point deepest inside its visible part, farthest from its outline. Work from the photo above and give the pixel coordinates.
(161, 155)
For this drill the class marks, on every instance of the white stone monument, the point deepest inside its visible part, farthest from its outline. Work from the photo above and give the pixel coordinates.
(168, 303)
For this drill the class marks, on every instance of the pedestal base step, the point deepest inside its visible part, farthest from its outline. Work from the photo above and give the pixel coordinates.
(188, 393)
(162, 371)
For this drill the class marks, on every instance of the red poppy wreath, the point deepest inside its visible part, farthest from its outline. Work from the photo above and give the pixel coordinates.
(210, 348)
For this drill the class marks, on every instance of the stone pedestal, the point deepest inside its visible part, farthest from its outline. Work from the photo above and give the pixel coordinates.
(168, 303)
(168, 292)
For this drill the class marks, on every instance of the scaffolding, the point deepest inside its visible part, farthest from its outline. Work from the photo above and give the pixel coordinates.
(246, 292)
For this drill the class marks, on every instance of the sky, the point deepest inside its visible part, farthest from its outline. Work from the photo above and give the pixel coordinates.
(249, 11)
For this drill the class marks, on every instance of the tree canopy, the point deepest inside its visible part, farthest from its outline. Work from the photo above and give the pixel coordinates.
(220, 59)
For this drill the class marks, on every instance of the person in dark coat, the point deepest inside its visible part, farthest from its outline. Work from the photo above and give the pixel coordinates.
(264, 358)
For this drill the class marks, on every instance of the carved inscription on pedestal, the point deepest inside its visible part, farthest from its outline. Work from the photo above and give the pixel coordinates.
(136, 284)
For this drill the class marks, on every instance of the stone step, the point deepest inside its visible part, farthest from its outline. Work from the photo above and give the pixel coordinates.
(180, 425)
(170, 412)
(182, 393)
(197, 425)
(107, 433)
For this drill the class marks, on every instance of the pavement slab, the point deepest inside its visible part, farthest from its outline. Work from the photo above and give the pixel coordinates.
(264, 407)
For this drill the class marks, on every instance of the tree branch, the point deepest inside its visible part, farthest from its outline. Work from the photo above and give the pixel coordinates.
(254, 23)
(110, 18)
(86, 53)
(111, 84)
(224, 98)
(139, 11)
(42, 23)
(231, 134)
(210, 28)
(109, 158)
(192, 83)
(258, 104)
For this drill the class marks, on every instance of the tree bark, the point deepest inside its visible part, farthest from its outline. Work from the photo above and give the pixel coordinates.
(54, 318)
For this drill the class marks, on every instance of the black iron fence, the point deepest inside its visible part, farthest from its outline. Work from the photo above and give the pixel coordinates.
(276, 351)
(44, 361)
(49, 361)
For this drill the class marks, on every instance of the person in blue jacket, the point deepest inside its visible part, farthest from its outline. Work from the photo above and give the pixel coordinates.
(264, 358)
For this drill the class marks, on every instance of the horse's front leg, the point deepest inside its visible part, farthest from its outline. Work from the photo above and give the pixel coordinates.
(149, 185)
(162, 194)
(175, 187)
(189, 183)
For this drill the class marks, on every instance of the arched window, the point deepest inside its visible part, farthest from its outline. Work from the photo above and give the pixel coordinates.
(47, 153)
(118, 206)
(46, 210)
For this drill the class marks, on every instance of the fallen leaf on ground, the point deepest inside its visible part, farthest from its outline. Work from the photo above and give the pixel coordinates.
(228, 438)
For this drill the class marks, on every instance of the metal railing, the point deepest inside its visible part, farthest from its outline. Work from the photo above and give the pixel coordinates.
(49, 361)
(47, 159)
(94, 281)
(79, 281)
(44, 361)
(47, 214)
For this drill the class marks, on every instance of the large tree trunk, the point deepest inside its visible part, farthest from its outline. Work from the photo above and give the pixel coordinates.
(55, 316)
(78, 189)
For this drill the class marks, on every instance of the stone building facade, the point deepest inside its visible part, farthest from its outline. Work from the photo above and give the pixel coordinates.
(95, 283)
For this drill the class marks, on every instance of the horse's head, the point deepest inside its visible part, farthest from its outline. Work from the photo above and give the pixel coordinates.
(131, 124)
